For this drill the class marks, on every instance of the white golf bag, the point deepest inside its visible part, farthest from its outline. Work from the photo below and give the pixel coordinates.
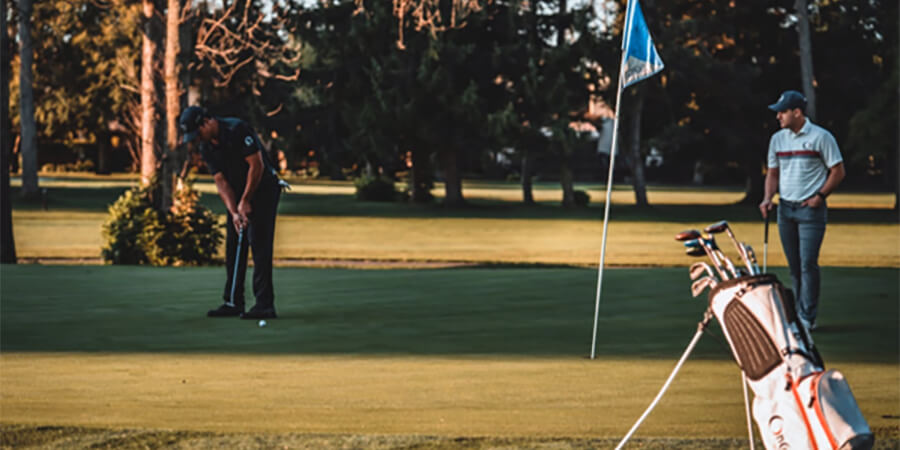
(797, 404)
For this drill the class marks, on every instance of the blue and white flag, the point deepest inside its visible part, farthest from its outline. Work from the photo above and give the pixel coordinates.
(639, 58)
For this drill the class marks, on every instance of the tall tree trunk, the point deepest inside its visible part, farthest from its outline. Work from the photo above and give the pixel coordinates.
(561, 23)
(26, 101)
(527, 187)
(804, 39)
(566, 178)
(7, 242)
(420, 179)
(149, 96)
(103, 149)
(639, 183)
(452, 182)
(171, 69)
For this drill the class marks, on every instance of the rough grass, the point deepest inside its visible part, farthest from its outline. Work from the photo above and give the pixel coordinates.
(455, 358)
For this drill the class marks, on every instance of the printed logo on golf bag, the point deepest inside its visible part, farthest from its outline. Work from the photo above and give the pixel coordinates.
(776, 427)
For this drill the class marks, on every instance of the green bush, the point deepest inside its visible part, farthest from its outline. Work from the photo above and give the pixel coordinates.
(375, 188)
(123, 232)
(84, 165)
(137, 233)
(582, 198)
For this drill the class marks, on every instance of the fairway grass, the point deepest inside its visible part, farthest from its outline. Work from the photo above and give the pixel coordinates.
(494, 356)
(322, 221)
(41, 234)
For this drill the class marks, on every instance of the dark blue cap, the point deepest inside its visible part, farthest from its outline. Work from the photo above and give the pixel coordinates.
(789, 100)
(191, 119)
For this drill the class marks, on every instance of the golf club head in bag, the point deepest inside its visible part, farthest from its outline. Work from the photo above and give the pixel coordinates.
(710, 249)
(698, 286)
(699, 268)
(722, 226)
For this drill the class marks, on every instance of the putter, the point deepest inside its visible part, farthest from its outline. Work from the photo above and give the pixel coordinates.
(237, 262)
(721, 226)
(766, 243)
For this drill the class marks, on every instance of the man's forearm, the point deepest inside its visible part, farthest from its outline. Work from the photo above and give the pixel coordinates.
(226, 194)
(771, 184)
(835, 176)
(254, 174)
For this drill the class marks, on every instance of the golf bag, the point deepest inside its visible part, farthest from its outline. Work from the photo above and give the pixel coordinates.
(797, 403)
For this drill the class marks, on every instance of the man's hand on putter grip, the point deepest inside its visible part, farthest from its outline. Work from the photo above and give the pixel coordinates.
(239, 220)
(244, 209)
(765, 207)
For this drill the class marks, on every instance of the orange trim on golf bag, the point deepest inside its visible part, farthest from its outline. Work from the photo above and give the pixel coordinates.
(817, 406)
(809, 431)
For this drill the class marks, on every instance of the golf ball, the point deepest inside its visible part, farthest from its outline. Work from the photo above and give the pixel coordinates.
(262, 323)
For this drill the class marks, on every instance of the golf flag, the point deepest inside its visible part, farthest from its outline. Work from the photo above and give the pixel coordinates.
(639, 61)
(639, 57)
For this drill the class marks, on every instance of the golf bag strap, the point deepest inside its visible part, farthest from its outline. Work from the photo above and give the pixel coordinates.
(815, 404)
(800, 406)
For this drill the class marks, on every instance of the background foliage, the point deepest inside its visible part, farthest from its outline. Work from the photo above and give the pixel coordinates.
(446, 104)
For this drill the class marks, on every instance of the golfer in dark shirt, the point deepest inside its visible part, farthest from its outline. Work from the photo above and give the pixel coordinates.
(250, 189)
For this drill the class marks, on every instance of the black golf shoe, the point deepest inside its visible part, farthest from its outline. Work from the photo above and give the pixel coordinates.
(260, 312)
(226, 310)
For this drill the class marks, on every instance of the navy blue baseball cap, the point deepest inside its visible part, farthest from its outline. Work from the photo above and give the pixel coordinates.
(191, 119)
(789, 100)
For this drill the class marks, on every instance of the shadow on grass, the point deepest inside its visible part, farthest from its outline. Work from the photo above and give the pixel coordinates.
(644, 313)
(90, 199)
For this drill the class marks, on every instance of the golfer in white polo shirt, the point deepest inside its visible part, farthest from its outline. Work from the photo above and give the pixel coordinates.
(805, 166)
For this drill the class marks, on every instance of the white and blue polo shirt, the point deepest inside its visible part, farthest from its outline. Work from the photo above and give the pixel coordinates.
(802, 160)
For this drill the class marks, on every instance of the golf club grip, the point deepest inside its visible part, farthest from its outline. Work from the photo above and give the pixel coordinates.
(766, 228)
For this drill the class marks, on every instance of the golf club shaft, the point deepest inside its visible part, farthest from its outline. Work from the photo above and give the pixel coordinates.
(766, 243)
(714, 257)
(740, 249)
(237, 263)
(721, 226)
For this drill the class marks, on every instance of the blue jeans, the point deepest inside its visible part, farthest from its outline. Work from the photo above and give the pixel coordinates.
(802, 229)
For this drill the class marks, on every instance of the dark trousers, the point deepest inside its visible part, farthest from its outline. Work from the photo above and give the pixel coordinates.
(802, 230)
(258, 236)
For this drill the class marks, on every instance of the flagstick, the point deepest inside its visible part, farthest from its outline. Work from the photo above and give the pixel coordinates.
(609, 181)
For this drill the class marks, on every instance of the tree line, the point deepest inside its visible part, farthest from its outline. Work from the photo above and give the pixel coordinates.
(428, 89)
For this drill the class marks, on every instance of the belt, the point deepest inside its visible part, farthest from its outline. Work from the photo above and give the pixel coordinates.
(790, 203)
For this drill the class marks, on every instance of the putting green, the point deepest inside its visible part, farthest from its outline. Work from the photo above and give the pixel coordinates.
(455, 352)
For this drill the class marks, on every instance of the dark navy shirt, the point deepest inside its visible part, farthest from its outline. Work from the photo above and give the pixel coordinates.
(237, 141)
